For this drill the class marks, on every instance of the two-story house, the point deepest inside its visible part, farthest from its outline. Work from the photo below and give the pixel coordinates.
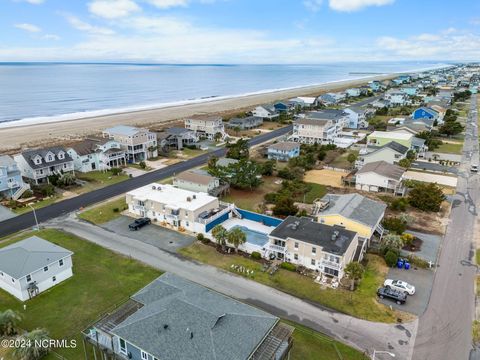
(358, 116)
(199, 181)
(246, 123)
(310, 131)
(37, 165)
(176, 138)
(266, 112)
(97, 154)
(139, 144)
(380, 176)
(197, 212)
(391, 153)
(397, 98)
(31, 266)
(338, 117)
(206, 127)
(303, 241)
(283, 151)
(11, 181)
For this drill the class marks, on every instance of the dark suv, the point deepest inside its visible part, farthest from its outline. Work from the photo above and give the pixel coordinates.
(139, 223)
(398, 296)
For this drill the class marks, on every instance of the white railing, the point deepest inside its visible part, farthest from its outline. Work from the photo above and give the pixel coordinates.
(277, 248)
(331, 264)
(229, 207)
(20, 191)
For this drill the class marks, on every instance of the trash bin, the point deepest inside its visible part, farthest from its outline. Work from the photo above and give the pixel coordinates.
(400, 263)
(406, 265)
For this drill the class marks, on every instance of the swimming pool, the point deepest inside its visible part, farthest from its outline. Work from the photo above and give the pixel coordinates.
(254, 237)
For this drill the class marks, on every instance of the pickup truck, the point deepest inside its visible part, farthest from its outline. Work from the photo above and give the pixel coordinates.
(139, 223)
(398, 296)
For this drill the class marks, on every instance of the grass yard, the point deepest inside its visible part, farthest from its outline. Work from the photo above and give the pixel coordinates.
(105, 212)
(101, 280)
(361, 303)
(450, 148)
(342, 162)
(250, 200)
(98, 179)
(187, 153)
(316, 191)
(311, 345)
(37, 205)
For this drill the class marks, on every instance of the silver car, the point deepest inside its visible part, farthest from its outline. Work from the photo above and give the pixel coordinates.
(400, 285)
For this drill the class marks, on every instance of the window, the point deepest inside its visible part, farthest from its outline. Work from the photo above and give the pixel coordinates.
(295, 256)
(60, 262)
(314, 250)
(123, 346)
(50, 158)
(144, 355)
(296, 245)
(13, 280)
(29, 278)
(54, 278)
(313, 261)
(45, 268)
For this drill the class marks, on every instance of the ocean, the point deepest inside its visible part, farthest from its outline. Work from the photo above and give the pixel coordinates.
(38, 92)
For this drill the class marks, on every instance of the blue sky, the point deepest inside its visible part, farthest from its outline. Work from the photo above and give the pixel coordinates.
(239, 31)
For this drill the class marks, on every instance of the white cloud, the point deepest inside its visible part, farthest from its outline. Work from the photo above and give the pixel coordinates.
(86, 27)
(112, 9)
(165, 4)
(51, 37)
(156, 25)
(28, 27)
(33, 2)
(354, 5)
(313, 5)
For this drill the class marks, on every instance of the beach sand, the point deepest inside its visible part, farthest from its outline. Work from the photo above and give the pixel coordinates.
(14, 139)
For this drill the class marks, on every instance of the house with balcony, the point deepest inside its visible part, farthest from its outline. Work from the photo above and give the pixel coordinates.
(380, 176)
(173, 318)
(31, 266)
(94, 154)
(11, 181)
(303, 101)
(397, 98)
(354, 212)
(353, 92)
(331, 98)
(283, 151)
(391, 153)
(206, 127)
(37, 165)
(339, 118)
(196, 212)
(266, 112)
(200, 181)
(358, 117)
(139, 144)
(246, 123)
(380, 138)
(176, 138)
(320, 247)
(310, 131)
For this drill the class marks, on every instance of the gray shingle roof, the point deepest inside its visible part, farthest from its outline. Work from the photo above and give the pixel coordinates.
(383, 168)
(355, 207)
(29, 155)
(224, 162)
(285, 145)
(402, 149)
(307, 230)
(178, 131)
(29, 255)
(124, 130)
(181, 320)
(327, 114)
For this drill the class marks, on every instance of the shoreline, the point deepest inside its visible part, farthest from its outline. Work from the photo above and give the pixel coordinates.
(22, 135)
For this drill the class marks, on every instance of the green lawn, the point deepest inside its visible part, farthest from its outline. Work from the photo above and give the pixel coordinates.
(311, 345)
(101, 280)
(342, 162)
(316, 191)
(98, 179)
(105, 212)
(36, 205)
(450, 148)
(361, 303)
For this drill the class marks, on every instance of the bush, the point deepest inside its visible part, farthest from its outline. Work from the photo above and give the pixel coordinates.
(46, 190)
(116, 210)
(142, 165)
(399, 204)
(391, 258)
(256, 255)
(116, 171)
(202, 238)
(395, 225)
(426, 197)
(418, 262)
(288, 266)
(27, 194)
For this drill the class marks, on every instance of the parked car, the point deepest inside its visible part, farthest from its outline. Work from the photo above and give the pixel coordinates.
(139, 223)
(400, 286)
(399, 297)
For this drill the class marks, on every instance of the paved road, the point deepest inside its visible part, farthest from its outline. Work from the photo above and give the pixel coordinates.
(361, 334)
(64, 207)
(444, 330)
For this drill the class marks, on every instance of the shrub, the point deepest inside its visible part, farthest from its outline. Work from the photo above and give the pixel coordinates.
(116, 210)
(27, 194)
(47, 190)
(116, 171)
(418, 262)
(256, 255)
(202, 238)
(426, 197)
(407, 239)
(399, 204)
(391, 258)
(288, 266)
(142, 165)
(394, 224)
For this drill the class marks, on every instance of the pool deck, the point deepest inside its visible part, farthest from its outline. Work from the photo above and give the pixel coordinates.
(249, 224)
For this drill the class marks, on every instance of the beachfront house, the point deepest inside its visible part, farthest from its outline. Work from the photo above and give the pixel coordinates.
(283, 151)
(206, 127)
(175, 319)
(31, 266)
(180, 209)
(94, 154)
(375, 85)
(176, 138)
(283, 107)
(11, 181)
(331, 98)
(310, 131)
(265, 112)
(139, 144)
(380, 176)
(199, 181)
(246, 123)
(353, 92)
(391, 153)
(354, 212)
(303, 101)
(324, 248)
(37, 165)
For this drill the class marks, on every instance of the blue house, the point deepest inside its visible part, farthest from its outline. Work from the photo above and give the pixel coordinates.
(11, 182)
(283, 151)
(282, 107)
(425, 113)
(375, 85)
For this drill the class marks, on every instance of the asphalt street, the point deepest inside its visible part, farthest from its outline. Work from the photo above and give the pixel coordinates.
(64, 207)
(444, 330)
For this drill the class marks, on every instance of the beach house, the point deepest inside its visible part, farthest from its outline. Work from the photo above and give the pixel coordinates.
(316, 246)
(391, 153)
(31, 266)
(206, 127)
(331, 98)
(338, 117)
(176, 138)
(199, 181)
(397, 98)
(139, 144)
(246, 123)
(37, 165)
(310, 131)
(353, 92)
(266, 112)
(358, 116)
(283, 151)
(380, 176)
(175, 319)
(11, 181)
(380, 138)
(96, 154)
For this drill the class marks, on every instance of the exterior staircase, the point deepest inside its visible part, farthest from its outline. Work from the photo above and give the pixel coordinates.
(17, 194)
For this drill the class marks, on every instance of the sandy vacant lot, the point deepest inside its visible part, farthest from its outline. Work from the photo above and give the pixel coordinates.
(325, 177)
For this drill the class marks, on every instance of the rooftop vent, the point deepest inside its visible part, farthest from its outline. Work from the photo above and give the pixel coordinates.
(189, 198)
(154, 187)
(165, 326)
(194, 197)
(335, 235)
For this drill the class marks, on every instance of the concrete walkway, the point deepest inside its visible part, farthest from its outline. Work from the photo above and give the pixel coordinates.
(361, 334)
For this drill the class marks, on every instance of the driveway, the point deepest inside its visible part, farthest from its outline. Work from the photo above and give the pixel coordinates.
(430, 246)
(6, 213)
(422, 279)
(155, 235)
(435, 167)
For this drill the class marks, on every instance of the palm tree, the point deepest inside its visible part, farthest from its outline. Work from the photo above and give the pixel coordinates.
(220, 235)
(354, 271)
(32, 350)
(236, 237)
(9, 320)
